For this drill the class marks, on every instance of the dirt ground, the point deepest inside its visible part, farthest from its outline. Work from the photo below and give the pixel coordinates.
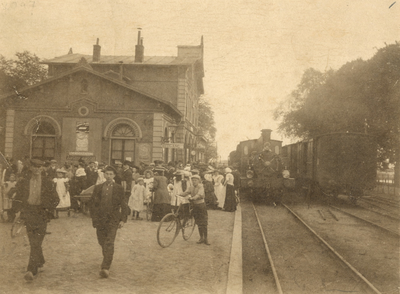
(140, 265)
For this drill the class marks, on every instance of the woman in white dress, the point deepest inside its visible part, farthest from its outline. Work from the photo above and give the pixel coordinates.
(219, 188)
(62, 185)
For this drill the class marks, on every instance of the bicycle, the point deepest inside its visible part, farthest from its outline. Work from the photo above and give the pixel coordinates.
(172, 223)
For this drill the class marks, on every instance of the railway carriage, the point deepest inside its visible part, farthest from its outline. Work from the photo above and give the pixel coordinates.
(333, 164)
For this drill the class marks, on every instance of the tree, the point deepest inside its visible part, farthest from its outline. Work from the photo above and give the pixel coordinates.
(207, 128)
(362, 96)
(26, 70)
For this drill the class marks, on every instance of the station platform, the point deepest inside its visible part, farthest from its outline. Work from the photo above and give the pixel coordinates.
(140, 265)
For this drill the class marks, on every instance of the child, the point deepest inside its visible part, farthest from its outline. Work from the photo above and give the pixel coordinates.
(137, 198)
(62, 186)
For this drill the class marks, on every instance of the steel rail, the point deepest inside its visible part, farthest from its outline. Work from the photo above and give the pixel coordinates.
(377, 212)
(335, 252)
(278, 284)
(367, 221)
(391, 201)
(377, 201)
(380, 207)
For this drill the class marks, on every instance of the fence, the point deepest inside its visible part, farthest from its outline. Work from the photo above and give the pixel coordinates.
(385, 183)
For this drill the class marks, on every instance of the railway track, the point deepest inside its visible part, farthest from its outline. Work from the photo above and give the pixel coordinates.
(377, 208)
(298, 263)
(385, 229)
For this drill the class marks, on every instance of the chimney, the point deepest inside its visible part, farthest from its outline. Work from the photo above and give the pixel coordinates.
(139, 49)
(96, 51)
(266, 135)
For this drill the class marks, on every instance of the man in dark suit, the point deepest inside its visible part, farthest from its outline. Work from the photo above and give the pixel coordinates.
(36, 198)
(109, 211)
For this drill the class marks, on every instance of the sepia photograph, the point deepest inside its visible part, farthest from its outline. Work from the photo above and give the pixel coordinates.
(174, 146)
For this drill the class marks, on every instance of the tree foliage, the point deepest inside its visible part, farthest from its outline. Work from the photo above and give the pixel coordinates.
(362, 96)
(207, 127)
(24, 71)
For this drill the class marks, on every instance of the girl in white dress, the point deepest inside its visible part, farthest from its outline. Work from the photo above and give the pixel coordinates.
(62, 185)
(148, 183)
(219, 188)
(137, 198)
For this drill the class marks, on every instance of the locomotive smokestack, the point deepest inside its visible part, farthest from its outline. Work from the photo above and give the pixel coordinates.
(266, 135)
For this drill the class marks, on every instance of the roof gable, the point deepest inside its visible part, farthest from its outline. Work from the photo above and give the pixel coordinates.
(84, 67)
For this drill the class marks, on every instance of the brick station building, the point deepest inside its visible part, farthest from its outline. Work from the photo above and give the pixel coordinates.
(109, 108)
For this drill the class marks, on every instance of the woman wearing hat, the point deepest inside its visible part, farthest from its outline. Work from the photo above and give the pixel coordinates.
(62, 186)
(219, 188)
(230, 197)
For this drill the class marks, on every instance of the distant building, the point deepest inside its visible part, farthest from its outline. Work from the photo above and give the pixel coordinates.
(109, 108)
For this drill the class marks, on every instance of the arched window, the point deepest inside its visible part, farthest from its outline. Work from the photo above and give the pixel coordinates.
(43, 140)
(122, 143)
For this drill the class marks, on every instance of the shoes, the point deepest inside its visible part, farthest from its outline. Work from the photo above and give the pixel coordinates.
(139, 218)
(104, 273)
(206, 242)
(28, 277)
(200, 241)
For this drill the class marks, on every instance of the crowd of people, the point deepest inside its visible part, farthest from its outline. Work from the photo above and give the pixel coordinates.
(39, 190)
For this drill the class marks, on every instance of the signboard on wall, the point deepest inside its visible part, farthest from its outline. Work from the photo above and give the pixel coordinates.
(172, 145)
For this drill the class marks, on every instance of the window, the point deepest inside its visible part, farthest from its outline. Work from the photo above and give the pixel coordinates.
(43, 143)
(122, 143)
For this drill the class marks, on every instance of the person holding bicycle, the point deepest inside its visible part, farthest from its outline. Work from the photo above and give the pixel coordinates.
(196, 192)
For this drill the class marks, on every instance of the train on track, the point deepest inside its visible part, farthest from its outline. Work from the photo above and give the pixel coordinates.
(329, 164)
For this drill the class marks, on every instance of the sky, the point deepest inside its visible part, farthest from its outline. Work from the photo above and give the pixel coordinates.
(255, 52)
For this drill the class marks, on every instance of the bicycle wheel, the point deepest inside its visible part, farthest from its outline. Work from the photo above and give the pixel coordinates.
(149, 211)
(188, 228)
(167, 230)
(18, 227)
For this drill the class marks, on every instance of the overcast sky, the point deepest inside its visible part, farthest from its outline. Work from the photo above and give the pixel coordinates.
(255, 51)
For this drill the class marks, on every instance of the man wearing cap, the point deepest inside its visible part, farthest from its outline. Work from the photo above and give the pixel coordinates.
(109, 211)
(36, 198)
(196, 192)
(126, 179)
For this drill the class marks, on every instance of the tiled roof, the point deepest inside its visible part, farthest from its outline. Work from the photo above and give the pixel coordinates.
(109, 59)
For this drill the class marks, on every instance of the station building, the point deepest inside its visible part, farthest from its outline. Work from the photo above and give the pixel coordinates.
(108, 108)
